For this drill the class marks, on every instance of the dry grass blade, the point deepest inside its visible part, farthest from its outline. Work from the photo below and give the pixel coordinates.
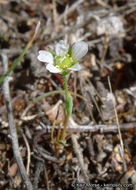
(119, 131)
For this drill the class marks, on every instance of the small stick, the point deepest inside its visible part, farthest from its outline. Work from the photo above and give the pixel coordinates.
(103, 4)
(75, 128)
(46, 156)
(106, 44)
(39, 169)
(79, 156)
(12, 127)
(70, 10)
(55, 15)
(46, 177)
(28, 154)
(119, 131)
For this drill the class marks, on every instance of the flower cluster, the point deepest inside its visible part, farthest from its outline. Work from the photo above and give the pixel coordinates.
(65, 58)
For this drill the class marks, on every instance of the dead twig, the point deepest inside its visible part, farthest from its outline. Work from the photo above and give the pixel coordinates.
(119, 131)
(46, 177)
(79, 155)
(28, 154)
(12, 127)
(75, 128)
(39, 169)
(70, 10)
(55, 15)
(46, 156)
(103, 4)
(105, 48)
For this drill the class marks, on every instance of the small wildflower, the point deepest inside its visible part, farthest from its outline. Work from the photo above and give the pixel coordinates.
(65, 57)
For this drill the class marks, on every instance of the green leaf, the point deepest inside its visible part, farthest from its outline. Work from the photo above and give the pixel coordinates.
(69, 105)
(62, 143)
(14, 64)
(22, 54)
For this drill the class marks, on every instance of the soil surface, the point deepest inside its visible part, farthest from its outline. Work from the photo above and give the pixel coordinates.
(100, 147)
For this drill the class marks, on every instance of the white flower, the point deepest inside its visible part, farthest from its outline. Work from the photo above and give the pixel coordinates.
(61, 48)
(65, 57)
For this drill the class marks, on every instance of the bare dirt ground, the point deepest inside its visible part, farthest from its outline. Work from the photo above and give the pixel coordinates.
(99, 152)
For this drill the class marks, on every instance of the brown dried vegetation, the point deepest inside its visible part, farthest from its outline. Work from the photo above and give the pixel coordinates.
(93, 154)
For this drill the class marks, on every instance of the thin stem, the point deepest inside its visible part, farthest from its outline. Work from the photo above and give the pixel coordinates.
(21, 55)
(47, 94)
(67, 117)
(65, 86)
(64, 129)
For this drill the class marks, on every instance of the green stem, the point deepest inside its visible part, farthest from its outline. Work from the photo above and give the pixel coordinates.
(65, 86)
(47, 94)
(66, 95)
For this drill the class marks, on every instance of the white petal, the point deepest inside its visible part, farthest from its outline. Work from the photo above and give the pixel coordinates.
(75, 67)
(52, 68)
(79, 50)
(61, 48)
(45, 56)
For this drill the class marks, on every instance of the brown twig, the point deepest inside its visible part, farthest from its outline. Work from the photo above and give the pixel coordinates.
(105, 48)
(55, 16)
(79, 155)
(119, 131)
(70, 10)
(46, 177)
(75, 128)
(39, 169)
(28, 154)
(46, 156)
(103, 4)
(14, 138)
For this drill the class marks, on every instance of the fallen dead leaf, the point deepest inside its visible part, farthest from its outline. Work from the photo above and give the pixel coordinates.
(56, 113)
(69, 156)
(13, 170)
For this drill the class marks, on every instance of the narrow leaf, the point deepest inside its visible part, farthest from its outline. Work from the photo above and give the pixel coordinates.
(69, 105)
